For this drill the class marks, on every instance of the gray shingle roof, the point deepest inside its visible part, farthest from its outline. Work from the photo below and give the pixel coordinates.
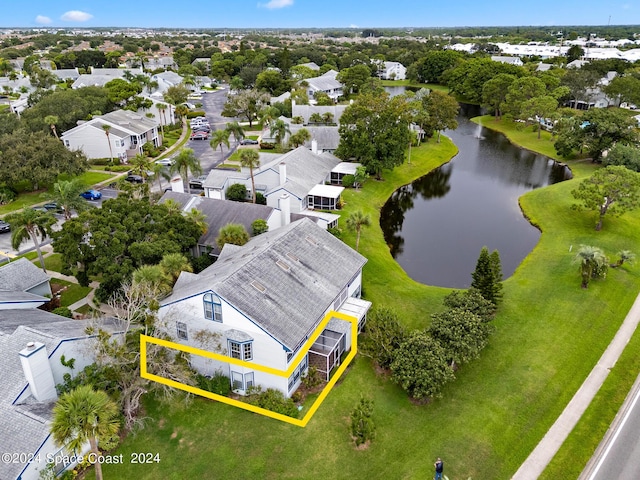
(129, 120)
(323, 83)
(295, 298)
(21, 275)
(24, 426)
(220, 213)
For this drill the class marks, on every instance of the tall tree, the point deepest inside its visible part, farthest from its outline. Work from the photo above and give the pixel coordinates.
(30, 224)
(355, 221)
(219, 138)
(613, 189)
(541, 108)
(487, 277)
(374, 131)
(66, 193)
(245, 104)
(51, 120)
(235, 129)
(162, 108)
(107, 129)
(250, 159)
(494, 92)
(354, 77)
(299, 138)
(185, 162)
(442, 109)
(83, 416)
(173, 264)
(279, 130)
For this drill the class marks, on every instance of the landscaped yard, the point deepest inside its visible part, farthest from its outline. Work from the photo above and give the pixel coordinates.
(52, 262)
(549, 334)
(72, 294)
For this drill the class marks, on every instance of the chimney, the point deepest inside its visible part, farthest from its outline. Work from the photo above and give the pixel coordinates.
(284, 202)
(282, 169)
(293, 103)
(314, 146)
(177, 185)
(37, 371)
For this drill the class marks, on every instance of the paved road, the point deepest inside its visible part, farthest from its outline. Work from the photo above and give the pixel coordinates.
(618, 455)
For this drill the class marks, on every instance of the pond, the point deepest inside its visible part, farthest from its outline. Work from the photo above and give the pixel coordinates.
(436, 226)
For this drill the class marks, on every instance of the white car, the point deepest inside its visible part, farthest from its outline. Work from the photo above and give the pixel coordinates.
(167, 162)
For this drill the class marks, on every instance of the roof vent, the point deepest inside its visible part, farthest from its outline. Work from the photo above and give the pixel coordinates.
(311, 240)
(284, 266)
(293, 257)
(258, 286)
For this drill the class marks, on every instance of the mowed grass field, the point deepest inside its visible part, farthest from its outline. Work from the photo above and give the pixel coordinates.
(549, 334)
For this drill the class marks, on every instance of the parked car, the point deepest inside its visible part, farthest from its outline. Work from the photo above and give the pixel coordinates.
(39, 209)
(53, 206)
(197, 182)
(200, 136)
(4, 227)
(248, 141)
(167, 162)
(134, 178)
(91, 195)
(201, 128)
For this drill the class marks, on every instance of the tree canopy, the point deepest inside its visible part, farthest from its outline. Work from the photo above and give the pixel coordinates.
(374, 131)
(123, 235)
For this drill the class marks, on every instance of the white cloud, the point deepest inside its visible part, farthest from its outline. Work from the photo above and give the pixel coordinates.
(353, 25)
(42, 20)
(76, 16)
(272, 4)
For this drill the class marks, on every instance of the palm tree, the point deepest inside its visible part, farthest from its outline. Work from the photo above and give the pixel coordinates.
(29, 224)
(173, 207)
(250, 159)
(181, 111)
(107, 129)
(356, 221)
(85, 415)
(593, 263)
(151, 278)
(199, 218)
(279, 130)
(51, 120)
(268, 115)
(236, 130)
(327, 117)
(233, 233)
(159, 172)
(300, 137)
(162, 107)
(67, 195)
(624, 256)
(186, 162)
(140, 165)
(173, 264)
(315, 118)
(218, 138)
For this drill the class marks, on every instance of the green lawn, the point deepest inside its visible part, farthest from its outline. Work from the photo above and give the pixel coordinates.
(549, 334)
(52, 262)
(72, 294)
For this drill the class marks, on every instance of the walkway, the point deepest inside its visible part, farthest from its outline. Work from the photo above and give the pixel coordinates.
(538, 460)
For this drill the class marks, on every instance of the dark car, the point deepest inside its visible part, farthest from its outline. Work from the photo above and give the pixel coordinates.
(197, 182)
(91, 195)
(201, 128)
(248, 141)
(4, 227)
(134, 178)
(200, 136)
(53, 207)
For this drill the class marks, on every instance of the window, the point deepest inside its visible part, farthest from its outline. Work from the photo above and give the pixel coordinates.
(237, 381)
(182, 331)
(212, 307)
(241, 351)
(248, 380)
(67, 143)
(340, 300)
(298, 372)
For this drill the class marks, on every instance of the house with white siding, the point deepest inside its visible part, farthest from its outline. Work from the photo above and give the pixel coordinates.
(261, 302)
(128, 132)
(391, 71)
(23, 285)
(326, 83)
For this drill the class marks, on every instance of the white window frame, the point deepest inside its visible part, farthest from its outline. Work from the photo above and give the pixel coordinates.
(181, 331)
(241, 350)
(212, 308)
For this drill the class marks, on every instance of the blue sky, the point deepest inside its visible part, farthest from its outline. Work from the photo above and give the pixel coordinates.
(314, 13)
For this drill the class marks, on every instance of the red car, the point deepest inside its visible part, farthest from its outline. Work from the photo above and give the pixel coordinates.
(200, 136)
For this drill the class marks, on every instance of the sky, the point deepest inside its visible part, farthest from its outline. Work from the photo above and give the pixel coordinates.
(219, 14)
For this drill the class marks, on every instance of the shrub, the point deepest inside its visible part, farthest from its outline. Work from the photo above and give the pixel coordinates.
(335, 231)
(150, 150)
(273, 400)
(218, 383)
(237, 193)
(472, 301)
(383, 336)
(196, 113)
(7, 195)
(100, 161)
(267, 146)
(63, 312)
(259, 226)
(348, 181)
(260, 199)
(312, 378)
(362, 427)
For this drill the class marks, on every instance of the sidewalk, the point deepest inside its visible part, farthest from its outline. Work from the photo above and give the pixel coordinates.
(538, 460)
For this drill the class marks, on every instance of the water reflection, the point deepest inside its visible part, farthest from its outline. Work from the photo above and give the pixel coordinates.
(436, 226)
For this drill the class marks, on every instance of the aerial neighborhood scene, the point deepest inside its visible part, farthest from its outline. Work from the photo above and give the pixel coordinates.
(291, 240)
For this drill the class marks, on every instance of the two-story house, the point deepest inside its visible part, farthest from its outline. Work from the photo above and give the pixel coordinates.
(125, 134)
(261, 302)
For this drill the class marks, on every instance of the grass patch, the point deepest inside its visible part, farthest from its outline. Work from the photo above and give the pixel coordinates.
(24, 199)
(73, 293)
(549, 335)
(52, 262)
(85, 309)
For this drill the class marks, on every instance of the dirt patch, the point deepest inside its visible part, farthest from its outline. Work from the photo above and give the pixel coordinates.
(420, 401)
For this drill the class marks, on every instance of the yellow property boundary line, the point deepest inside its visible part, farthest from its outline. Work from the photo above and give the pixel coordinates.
(145, 339)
